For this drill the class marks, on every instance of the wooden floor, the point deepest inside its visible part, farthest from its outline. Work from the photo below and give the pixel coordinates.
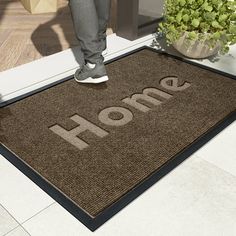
(25, 37)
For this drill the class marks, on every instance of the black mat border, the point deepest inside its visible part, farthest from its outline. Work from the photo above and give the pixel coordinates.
(86, 219)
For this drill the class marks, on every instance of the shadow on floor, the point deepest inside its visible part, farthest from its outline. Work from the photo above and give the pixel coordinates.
(3, 7)
(46, 40)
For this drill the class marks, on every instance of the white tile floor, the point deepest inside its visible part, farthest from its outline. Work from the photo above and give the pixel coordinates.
(7, 222)
(17, 192)
(19, 231)
(197, 198)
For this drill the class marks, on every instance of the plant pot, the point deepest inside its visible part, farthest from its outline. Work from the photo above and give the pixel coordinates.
(195, 49)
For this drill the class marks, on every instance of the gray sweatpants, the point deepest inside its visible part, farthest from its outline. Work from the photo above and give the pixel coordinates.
(90, 18)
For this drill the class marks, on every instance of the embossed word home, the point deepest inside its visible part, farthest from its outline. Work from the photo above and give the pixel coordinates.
(135, 101)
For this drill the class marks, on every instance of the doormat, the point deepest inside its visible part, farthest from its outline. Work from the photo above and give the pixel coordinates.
(95, 148)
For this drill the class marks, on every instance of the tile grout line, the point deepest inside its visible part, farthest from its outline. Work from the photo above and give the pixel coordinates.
(11, 230)
(10, 214)
(19, 226)
(37, 213)
(215, 166)
(12, 218)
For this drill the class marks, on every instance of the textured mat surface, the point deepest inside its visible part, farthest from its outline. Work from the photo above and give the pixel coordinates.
(94, 143)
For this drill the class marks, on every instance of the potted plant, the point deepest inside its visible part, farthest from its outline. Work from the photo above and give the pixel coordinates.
(199, 28)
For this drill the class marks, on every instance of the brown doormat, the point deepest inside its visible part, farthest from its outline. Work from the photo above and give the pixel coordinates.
(94, 148)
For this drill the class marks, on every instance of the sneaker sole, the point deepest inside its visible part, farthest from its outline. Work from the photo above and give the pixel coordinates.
(91, 80)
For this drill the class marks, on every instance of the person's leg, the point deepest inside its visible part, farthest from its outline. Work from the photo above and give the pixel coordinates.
(86, 25)
(103, 12)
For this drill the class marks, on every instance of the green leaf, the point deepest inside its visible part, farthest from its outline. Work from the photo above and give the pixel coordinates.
(216, 35)
(182, 3)
(231, 5)
(200, 2)
(204, 27)
(222, 17)
(170, 19)
(179, 17)
(209, 16)
(208, 8)
(216, 24)
(172, 28)
(195, 23)
(205, 4)
(161, 26)
(232, 29)
(192, 35)
(185, 18)
(233, 17)
(215, 2)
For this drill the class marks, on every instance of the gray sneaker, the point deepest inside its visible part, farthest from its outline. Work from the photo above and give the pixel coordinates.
(94, 75)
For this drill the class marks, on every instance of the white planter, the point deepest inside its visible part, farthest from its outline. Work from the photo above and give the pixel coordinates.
(195, 49)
